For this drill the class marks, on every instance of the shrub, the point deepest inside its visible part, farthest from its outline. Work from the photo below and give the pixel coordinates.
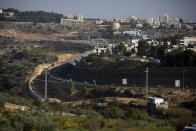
(122, 125)
(94, 124)
(136, 114)
(4, 123)
(113, 112)
(111, 123)
(37, 103)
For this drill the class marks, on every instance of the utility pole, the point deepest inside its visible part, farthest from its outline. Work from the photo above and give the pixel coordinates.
(146, 80)
(46, 83)
(184, 70)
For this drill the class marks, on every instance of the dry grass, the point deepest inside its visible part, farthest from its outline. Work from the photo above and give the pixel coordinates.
(34, 36)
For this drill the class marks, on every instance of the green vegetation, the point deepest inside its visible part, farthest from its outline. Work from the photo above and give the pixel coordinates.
(19, 58)
(114, 118)
(32, 16)
(180, 58)
(2, 105)
(157, 51)
(142, 47)
(26, 121)
(16, 65)
(94, 61)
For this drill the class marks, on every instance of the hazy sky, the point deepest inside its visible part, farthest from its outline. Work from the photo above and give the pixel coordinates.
(109, 8)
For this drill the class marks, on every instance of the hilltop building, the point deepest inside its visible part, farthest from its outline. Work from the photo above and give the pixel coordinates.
(72, 18)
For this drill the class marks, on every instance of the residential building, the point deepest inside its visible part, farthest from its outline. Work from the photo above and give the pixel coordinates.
(98, 22)
(139, 25)
(188, 40)
(156, 23)
(8, 14)
(1, 11)
(132, 33)
(123, 20)
(175, 20)
(154, 103)
(150, 20)
(70, 16)
(80, 17)
(190, 128)
(134, 18)
(115, 25)
(176, 25)
(101, 51)
(135, 42)
(164, 18)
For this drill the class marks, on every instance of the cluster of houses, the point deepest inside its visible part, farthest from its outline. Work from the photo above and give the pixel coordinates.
(106, 47)
(162, 21)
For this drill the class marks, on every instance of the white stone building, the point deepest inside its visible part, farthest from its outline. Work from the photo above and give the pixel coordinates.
(1, 11)
(188, 40)
(98, 22)
(70, 16)
(80, 18)
(115, 25)
(155, 103)
(134, 18)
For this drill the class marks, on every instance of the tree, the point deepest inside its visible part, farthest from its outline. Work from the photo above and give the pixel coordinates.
(142, 47)
(180, 58)
(2, 105)
(122, 49)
